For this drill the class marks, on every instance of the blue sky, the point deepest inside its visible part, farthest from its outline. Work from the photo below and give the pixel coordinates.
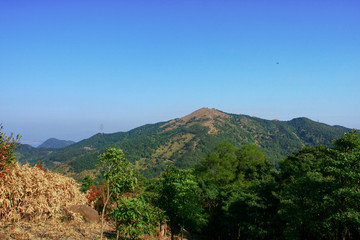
(66, 67)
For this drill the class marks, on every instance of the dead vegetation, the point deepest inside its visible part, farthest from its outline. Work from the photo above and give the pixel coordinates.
(34, 204)
(35, 194)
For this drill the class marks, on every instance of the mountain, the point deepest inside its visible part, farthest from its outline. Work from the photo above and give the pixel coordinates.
(184, 141)
(55, 143)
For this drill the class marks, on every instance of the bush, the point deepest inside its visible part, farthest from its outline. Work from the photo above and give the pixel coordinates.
(7, 147)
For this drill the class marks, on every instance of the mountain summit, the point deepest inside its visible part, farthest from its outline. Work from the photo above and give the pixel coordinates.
(204, 116)
(55, 143)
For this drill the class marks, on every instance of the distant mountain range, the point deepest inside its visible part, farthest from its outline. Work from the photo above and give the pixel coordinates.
(184, 141)
(55, 143)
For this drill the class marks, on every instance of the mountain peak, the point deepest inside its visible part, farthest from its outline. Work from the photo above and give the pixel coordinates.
(207, 117)
(203, 114)
(55, 143)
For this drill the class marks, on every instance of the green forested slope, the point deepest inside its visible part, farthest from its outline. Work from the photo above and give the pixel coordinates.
(184, 141)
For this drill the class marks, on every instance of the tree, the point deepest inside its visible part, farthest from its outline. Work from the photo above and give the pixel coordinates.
(342, 168)
(7, 148)
(220, 166)
(251, 204)
(120, 177)
(252, 163)
(320, 191)
(237, 187)
(250, 210)
(87, 182)
(215, 174)
(302, 191)
(179, 198)
(135, 217)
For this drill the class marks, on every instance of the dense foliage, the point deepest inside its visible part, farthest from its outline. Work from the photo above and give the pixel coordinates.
(136, 217)
(320, 194)
(314, 195)
(237, 186)
(179, 198)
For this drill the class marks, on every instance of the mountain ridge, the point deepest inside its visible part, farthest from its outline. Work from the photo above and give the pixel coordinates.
(184, 141)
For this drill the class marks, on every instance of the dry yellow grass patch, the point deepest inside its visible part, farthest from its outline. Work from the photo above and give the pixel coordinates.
(173, 145)
(34, 205)
(34, 194)
(52, 229)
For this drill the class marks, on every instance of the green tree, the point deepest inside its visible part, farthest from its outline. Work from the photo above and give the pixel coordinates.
(252, 163)
(7, 148)
(320, 191)
(215, 174)
(302, 190)
(220, 166)
(237, 186)
(250, 211)
(251, 205)
(87, 182)
(179, 198)
(120, 177)
(342, 168)
(135, 217)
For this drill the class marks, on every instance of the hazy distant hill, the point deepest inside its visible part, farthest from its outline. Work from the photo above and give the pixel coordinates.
(55, 143)
(28, 154)
(184, 141)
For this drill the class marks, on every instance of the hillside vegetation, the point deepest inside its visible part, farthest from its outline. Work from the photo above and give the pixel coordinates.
(183, 142)
(231, 193)
(36, 203)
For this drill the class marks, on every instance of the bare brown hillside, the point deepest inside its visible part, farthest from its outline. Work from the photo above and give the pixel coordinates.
(207, 117)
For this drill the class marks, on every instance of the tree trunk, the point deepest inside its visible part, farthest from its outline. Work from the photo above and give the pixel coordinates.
(103, 212)
(182, 230)
(172, 233)
(117, 234)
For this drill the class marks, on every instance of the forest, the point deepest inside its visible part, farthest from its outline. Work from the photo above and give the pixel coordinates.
(236, 193)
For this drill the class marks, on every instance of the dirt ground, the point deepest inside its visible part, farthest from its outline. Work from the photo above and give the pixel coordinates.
(65, 230)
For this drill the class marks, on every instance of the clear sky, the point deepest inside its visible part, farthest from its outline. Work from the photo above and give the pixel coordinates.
(68, 66)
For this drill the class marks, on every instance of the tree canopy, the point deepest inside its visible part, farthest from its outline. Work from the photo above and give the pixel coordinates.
(179, 198)
(320, 191)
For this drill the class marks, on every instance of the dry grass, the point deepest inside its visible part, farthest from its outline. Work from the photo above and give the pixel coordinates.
(52, 229)
(33, 205)
(34, 194)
